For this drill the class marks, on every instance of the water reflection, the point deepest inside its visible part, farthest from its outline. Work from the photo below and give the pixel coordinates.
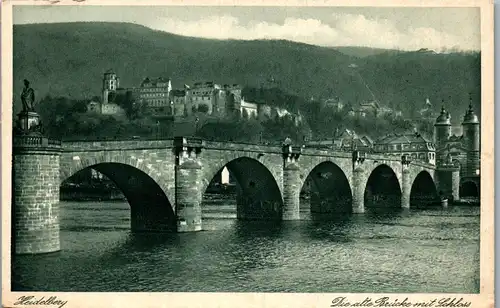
(412, 250)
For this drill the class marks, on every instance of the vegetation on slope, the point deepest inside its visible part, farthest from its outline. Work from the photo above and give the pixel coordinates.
(69, 60)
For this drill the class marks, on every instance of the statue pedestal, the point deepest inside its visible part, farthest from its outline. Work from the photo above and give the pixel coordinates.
(28, 121)
(35, 181)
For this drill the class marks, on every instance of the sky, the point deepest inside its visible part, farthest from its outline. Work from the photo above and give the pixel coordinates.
(439, 29)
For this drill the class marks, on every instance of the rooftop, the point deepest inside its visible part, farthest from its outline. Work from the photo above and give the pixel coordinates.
(154, 82)
(403, 138)
(444, 117)
(470, 117)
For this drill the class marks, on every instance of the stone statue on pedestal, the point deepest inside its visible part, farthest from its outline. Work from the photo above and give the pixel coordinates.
(28, 97)
(28, 121)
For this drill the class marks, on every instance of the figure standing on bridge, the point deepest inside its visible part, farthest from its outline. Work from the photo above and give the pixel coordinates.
(28, 97)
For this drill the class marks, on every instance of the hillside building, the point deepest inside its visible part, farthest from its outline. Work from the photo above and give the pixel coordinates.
(209, 98)
(264, 111)
(112, 109)
(368, 109)
(414, 145)
(94, 107)
(426, 111)
(212, 99)
(372, 109)
(384, 110)
(179, 103)
(336, 104)
(110, 83)
(248, 110)
(345, 140)
(155, 94)
(365, 109)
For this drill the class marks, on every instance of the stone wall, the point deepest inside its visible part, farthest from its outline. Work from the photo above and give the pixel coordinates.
(35, 207)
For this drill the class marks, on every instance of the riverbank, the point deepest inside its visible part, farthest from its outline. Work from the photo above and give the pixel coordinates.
(90, 193)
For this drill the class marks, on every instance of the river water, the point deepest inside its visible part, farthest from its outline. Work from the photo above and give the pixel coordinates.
(426, 250)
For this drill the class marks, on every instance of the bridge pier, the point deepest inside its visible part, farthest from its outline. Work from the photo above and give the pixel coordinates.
(405, 183)
(291, 192)
(291, 183)
(35, 198)
(405, 189)
(188, 195)
(358, 191)
(448, 181)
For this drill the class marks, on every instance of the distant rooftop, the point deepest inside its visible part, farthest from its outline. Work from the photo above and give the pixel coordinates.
(160, 81)
(403, 138)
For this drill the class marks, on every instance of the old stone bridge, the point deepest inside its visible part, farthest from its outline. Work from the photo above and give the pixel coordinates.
(164, 181)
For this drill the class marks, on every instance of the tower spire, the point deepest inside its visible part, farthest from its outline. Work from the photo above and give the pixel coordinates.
(470, 102)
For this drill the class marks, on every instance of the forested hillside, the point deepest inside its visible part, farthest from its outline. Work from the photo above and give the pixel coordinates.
(69, 60)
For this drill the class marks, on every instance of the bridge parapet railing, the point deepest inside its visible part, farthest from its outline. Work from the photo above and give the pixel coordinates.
(423, 164)
(237, 146)
(116, 145)
(188, 142)
(385, 157)
(311, 151)
(34, 141)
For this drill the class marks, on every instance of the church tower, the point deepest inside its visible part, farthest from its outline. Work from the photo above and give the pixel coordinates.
(442, 132)
(110, 83)
(471, 130)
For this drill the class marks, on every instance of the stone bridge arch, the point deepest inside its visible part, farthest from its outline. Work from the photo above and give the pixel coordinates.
(327, 182)
(144, 185)
(395, 166)
(259, 182)
(381, 184)
(423, 188)
(469, 187)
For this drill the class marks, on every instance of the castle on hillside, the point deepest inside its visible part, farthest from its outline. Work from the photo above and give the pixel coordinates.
(158, 96)
(463, 150)
(154, 93)
(162, 100)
